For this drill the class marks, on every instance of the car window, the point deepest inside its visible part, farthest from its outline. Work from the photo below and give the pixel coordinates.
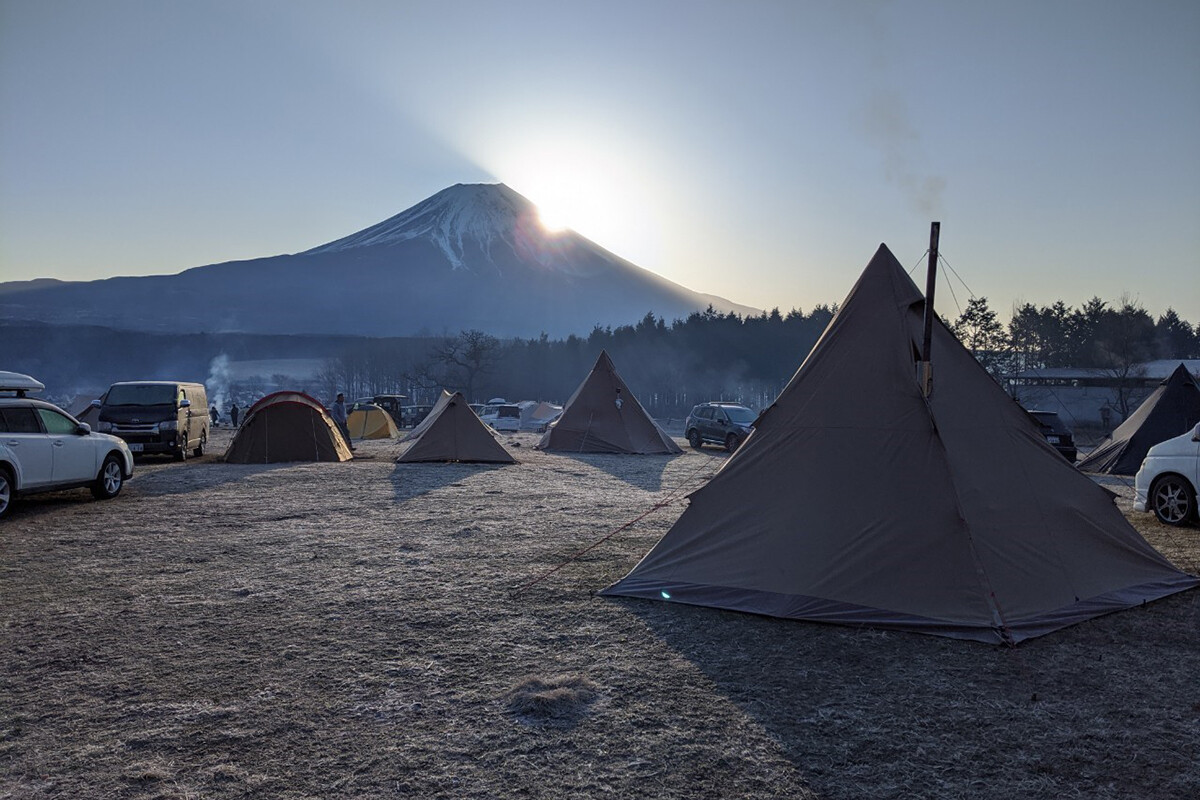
(719, 415)
(705, 413)
(20, 419)
(56, 422)
(742, 416)
(141, 394)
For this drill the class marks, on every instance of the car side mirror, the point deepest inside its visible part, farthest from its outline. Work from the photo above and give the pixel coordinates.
(83, 429)
(95, 404)
(185, 403)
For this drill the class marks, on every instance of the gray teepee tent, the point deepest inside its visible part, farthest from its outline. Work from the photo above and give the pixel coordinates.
(603, 416)
(859, 500)
(1171, 409)
(452, 432)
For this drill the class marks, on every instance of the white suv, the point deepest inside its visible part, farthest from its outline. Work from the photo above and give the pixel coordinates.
(44, 449)
(1166, 483)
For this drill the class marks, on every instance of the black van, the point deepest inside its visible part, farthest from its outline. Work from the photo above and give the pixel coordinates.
(157, 416)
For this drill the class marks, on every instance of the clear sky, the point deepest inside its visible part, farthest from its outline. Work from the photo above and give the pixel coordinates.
(755, 149)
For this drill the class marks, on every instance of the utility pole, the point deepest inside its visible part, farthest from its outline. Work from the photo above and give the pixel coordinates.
(926, 376)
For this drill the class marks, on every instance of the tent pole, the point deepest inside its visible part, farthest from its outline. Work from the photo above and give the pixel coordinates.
(935, 229)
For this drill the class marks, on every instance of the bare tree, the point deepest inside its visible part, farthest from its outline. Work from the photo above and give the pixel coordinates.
(464, 359)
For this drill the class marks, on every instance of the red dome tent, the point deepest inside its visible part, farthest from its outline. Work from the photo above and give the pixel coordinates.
(287, 426)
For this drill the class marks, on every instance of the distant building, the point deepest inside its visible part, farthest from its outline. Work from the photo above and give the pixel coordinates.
(1093, 398)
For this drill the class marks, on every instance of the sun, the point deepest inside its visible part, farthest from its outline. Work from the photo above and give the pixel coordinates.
(586, 184)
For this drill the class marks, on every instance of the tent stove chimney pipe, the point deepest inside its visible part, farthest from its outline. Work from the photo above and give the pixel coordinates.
(935, 229)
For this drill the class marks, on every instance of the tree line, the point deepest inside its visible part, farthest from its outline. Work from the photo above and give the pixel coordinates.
(715, 356)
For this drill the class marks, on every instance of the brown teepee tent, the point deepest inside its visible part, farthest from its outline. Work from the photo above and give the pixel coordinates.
(287, 426)
(453, 432)
(859, 500)
(1171, 409)
(603, 416)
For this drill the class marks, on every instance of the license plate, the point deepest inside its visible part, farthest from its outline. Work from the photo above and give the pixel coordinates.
(135, 447)
(1052, 439)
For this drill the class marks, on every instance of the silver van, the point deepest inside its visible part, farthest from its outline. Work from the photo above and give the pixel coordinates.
(157, 416)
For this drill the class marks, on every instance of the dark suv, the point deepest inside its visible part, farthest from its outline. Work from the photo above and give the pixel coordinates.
(726, 424)
(1056, 433)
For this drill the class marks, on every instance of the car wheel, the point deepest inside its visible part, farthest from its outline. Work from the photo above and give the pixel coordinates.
(694, 439)
(731, 442)
(6, 491)
(199, 451)
(1173, 500)
(181, 454)
(110, 480)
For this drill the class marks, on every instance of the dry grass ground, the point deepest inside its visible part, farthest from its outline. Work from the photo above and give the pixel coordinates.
(354, 631)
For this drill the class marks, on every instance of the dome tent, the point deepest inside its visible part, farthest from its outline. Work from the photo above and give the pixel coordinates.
(369, 421)
(287, 426)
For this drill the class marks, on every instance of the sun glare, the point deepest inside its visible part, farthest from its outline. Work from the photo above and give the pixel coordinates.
(576, 184)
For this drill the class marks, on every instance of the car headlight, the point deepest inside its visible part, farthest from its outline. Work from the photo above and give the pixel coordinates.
(104, 426)
(169, 425)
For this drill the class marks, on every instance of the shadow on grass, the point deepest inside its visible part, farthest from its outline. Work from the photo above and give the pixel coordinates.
(865, 713)
(186, 478)
(412, 480)
(641, 471)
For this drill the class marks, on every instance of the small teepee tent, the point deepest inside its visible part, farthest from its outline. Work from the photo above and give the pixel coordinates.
(287, 426)
(603, 416)
(89, 413)
(1171, 409)
(369, 421)
(453, 432)
(860, 500)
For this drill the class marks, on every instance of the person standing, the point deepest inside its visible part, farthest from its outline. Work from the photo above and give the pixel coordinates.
(233, 414)
(216, 417)
(338, 412)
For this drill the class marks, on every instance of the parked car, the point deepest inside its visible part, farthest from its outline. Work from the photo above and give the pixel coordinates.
(411, 416)
(1166, 483)
(393, 404)
(1056, 432)
(726, 424)
(502, 416)
(157, 416)
(45, 449)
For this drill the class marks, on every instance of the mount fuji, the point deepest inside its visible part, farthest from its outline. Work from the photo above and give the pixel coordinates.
(472, 256)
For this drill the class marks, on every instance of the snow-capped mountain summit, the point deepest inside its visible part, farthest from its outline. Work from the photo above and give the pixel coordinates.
(480, 214)
(470, 256)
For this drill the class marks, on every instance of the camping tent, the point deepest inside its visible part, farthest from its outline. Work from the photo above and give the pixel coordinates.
(537, 416)
(603, 416)
(1171, 409)
(860, 500)
(452, 432)
(89, 413)
(369, 421)
(287, 426)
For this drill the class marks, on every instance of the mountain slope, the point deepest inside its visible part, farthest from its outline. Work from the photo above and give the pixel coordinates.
(470, 256)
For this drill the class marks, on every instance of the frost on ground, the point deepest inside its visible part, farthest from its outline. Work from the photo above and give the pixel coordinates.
(369, 629)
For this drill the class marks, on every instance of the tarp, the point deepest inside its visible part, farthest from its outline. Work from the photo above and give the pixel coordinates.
(603, 416)
(369, 421)
(287, 426)
(453, 432)
(859, 500)
(1171, 409)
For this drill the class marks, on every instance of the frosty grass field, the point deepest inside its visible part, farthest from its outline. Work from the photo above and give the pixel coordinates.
(372, 630)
